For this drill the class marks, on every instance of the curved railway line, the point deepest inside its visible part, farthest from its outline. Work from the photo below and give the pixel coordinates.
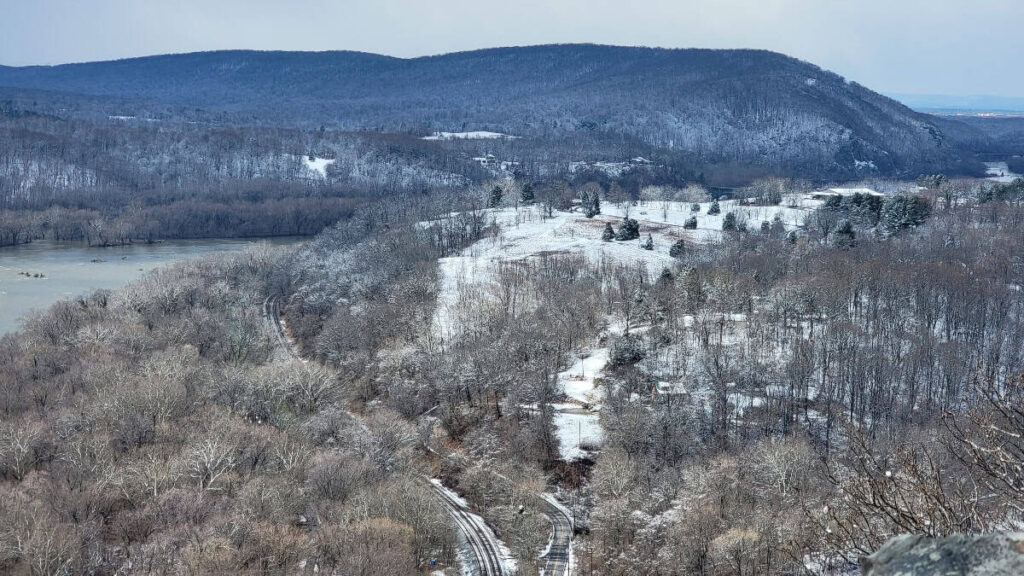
(479, 537)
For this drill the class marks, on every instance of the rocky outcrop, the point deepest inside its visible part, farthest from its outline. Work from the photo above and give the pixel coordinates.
(961, 555)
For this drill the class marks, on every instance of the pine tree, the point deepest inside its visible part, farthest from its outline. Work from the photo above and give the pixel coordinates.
(844, 237)
(666, 278)
(715, 208)
(628, 230)
(693, 291)
(778, 227)
(609, 234)
(677, 249)
(648, 244)
(729, 222)
(691, 223)
(591, 204)
(496, 195)
(527, 196)
(903, 211)
(766, 227)
(694, 207)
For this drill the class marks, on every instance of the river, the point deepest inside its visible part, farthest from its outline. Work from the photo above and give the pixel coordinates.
(68, 269)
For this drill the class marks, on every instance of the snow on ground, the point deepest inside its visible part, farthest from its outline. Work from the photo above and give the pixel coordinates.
(792, 212)
(524, 233)
(579, 432)
(852, 191)
(508, 561)
(317, 165)
(578, 381)
(476, 135)
(1000, 172)
(550, 498)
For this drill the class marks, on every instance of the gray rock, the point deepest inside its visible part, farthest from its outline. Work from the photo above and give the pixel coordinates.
(960, 555)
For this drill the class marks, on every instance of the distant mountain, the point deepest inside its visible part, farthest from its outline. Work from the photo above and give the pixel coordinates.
(975, 103)
(715, 111)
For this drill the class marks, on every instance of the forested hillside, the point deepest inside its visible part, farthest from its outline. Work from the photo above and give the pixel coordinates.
(726, 114)
(766, 385)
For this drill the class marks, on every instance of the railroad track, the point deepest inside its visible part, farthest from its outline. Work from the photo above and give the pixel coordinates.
(479, 537)
(272, 314)
(556, 561)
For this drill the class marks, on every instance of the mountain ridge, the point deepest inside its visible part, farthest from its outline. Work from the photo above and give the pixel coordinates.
(708, 107)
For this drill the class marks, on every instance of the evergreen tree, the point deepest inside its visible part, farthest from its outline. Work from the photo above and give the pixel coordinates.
(693, 291)
(628, 230)
(609, 234)
(695, 207)
(691, 223)
(496, 195)
(677, 249)
(844, 237)
(648, 244)
(626, 350)
(904, 211)
(666, 278)
(715, 208)
(527, 196)
(591, 204)
(766, 227)
(729, 222)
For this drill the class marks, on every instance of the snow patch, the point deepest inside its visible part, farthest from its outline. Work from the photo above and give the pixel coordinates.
(475, 135)
(578, 381)
(579, 431)
(317, 165)
(1000, 172)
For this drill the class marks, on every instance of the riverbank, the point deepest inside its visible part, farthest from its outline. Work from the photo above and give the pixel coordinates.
(37, 274)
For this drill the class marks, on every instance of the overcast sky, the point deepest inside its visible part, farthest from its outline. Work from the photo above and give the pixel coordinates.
(956, 47)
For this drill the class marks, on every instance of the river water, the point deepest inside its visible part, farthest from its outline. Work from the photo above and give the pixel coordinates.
(68, 269)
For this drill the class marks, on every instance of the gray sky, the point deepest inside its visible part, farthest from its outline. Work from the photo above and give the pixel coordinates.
(954, 47)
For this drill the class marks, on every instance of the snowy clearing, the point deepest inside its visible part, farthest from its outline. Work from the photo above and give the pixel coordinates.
(524, 233)
(579, 432)
(317, 165)
(578, 381)
(1000, 172)
(475, 135)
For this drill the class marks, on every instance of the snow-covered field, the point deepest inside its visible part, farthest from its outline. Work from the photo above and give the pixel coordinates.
(524, 233)
(317, 165)
(579, 431)
(578, 381)
(476, 135)
(1000, 172)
